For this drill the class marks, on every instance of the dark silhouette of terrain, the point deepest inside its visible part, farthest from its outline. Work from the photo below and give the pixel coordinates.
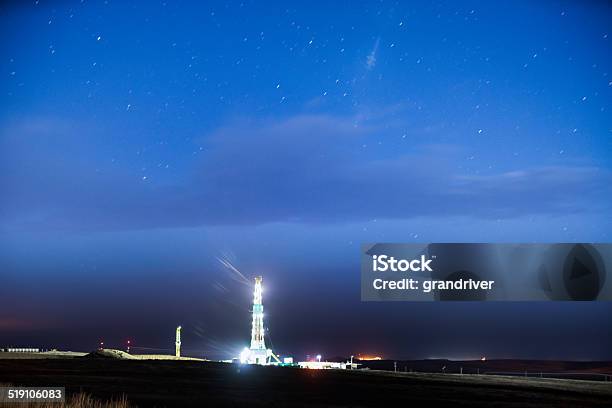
(190, 383)
(585, 370)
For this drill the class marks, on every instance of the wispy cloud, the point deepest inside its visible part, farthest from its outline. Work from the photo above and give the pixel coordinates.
(371, 58)
(304, 168)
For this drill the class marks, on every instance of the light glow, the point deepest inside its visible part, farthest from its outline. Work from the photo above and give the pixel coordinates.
(244, 355)
(369, 358)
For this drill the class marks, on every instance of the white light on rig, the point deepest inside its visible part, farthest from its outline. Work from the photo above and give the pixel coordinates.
(244, 355)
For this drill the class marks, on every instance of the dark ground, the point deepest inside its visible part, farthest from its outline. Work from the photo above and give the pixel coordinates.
(185, 383)
(582, 370)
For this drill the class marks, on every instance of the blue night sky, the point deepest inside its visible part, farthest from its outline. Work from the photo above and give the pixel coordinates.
(145, 147)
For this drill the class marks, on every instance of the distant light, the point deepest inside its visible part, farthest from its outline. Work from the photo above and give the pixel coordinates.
(483, 359)
(318, 357)
(369, 358)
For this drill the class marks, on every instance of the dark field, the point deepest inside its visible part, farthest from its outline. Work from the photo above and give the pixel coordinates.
(184, 383)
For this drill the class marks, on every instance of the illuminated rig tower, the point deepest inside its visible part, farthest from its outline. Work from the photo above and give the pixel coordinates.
(258, 352)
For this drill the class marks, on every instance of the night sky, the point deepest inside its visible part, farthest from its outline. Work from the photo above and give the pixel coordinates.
(153, 156)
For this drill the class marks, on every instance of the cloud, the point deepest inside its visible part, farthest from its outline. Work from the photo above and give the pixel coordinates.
(371, 58)
(305, 168)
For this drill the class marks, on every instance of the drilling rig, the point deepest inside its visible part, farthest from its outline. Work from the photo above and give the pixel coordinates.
(258, 353)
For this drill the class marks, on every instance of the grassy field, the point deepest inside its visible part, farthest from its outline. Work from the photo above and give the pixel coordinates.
(190, 383)
(80, 400)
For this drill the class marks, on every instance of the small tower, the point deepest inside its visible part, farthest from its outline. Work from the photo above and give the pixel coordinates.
(178, 341)
(258, 351)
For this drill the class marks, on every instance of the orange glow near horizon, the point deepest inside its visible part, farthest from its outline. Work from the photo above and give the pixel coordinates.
(368, 357)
